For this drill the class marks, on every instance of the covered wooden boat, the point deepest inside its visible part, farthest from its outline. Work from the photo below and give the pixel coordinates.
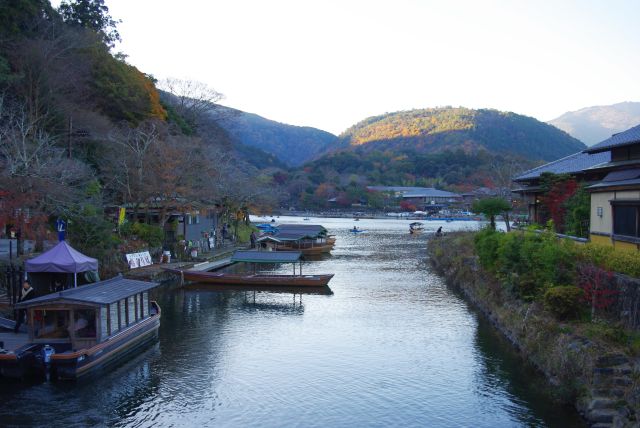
(310, 239)
(76, 331)
(254, 258)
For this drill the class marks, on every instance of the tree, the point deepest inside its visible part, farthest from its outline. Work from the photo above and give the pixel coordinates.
(91, 14)
(491, 207)
(191, 99)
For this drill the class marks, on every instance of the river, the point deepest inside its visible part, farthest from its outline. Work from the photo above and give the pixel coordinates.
(392, 346)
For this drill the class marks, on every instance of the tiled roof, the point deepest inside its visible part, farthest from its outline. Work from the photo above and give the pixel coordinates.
(101, 293)
(624, 138)
(576, 162)
(414, 192)
(430, 193)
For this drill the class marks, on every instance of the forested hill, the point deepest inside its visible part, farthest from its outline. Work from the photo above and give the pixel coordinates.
(293, 145)
(594, 124)
(436, 130)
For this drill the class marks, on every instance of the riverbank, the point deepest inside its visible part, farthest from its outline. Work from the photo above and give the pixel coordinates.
(598, 376)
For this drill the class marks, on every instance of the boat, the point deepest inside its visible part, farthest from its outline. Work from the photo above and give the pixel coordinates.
(416, 227)
(260, 279)
(77, 331)
(356, 231)
(310, 239)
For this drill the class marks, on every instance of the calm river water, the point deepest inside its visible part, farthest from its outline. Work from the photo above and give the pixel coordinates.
(392, 346)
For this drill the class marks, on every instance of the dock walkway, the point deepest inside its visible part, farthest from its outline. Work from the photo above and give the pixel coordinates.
(214, 265)
(216, 259)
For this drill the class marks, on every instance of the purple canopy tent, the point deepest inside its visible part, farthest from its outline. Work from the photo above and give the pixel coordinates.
(62, 259)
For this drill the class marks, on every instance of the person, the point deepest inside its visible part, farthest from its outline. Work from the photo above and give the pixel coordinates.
(224, 232)
(28, 293)
(253, 238)
(355, 229)
(439, 231)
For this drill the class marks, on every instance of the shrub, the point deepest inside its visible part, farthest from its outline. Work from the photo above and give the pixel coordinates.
(611, 259)
(564, 301)
(527, 261)
(486, 243)
(153, 235)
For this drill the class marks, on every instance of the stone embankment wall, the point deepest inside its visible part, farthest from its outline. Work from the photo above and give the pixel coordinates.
(603, 383)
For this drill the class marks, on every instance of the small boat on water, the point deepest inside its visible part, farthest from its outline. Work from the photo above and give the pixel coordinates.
(355, 230)
(416, 227)
(79, 330)
(262, 279)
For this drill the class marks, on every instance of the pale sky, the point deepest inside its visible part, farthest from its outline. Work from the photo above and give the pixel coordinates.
(332, 63)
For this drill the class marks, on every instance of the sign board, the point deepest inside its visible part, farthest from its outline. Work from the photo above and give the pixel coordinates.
(136, 260)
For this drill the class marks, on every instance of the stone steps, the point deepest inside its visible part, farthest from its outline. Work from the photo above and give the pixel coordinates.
(611, 383)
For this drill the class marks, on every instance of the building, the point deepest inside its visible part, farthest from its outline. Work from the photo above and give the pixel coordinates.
(577, 165)
(421, 197)
(615, 199)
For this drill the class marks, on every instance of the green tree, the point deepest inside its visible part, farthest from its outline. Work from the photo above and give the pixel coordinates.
(91, 14)
(491, 207)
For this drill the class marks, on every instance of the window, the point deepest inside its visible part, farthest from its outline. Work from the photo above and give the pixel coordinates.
(113, 318)
(625, 219)
(84, 324)
(51, 324)
(131, 308)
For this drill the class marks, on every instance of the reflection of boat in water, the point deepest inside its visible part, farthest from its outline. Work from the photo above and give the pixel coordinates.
(76, 331)
(260, 279)
(416, 227)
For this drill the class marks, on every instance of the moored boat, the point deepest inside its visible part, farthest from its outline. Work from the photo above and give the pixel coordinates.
(76, 331)
(263, 279)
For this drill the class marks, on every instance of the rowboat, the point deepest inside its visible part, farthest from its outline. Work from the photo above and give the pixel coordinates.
(356, 231)
(258, 279)
(77, 331)
(255, 258)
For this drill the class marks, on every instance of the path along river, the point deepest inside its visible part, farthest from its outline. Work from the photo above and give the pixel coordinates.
(392, 346)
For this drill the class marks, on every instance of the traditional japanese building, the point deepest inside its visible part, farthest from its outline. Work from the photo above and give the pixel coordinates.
(576, 165)
(615, 199)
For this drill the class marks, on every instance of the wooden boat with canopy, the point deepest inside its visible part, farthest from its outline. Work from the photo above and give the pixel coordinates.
(310, 239)
(76, 331)
(254, 258)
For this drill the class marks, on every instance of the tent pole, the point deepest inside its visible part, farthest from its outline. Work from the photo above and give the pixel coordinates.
(75, 279)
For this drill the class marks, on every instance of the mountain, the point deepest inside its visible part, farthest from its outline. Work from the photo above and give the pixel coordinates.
(594, 124)
(293, 145)
(436, 130)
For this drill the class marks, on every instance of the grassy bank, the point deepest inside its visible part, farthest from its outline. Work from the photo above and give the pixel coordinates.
(583, 359)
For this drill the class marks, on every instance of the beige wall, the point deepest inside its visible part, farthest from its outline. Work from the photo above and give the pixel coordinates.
(604, 224)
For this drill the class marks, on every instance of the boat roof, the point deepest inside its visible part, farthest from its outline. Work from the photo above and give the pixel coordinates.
(254, 256)
(100, 293)
(314, 229)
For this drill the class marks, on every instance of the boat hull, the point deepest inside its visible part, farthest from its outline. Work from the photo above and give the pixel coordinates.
(264, 280)
(74, 365)
(319, 249)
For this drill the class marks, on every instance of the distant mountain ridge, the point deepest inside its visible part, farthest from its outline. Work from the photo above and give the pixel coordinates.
(292, 145)
(435, 130)
(594, 124)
